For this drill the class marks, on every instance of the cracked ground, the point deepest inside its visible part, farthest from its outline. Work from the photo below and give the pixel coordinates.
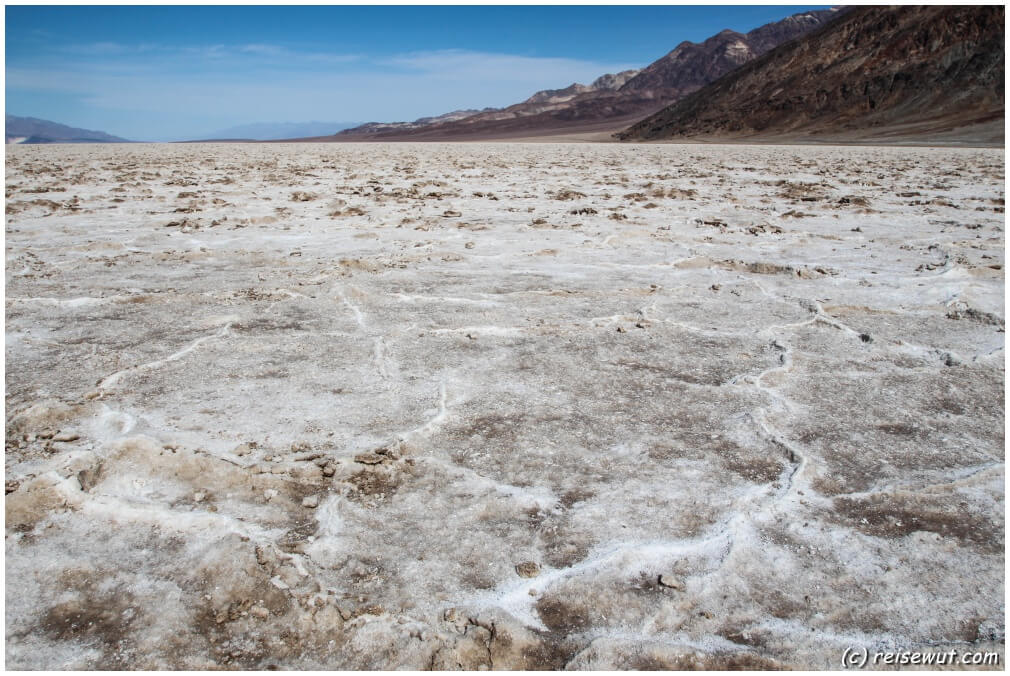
(501, 406)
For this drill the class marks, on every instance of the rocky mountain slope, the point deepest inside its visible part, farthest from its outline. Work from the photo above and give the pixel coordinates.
(33, 130)
(608, 82)
(876, 72)
(691, 66)
(612, 100)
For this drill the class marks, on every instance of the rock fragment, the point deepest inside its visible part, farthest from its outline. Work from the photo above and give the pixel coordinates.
(369, 458)
(949, 360)
(528, 569)
(242, 449)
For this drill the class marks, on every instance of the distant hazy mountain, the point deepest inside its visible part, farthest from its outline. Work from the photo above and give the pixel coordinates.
(273, 131)
(34, 130)
(382, 127)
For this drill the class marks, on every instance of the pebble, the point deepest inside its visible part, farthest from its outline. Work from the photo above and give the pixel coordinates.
(670, 581)
(528, 569)
(259, 612)
(66, 436)
(269, 494)
(369, 458)
(311, 501)
(950, 360)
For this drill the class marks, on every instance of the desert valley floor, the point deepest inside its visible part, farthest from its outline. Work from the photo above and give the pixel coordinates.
(502, 405)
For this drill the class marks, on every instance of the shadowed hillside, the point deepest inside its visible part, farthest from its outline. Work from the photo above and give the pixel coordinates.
(876, 73)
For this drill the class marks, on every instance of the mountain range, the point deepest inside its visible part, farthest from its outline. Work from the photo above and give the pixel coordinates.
(375, 128)
(33, 130)
(612, 100)
(877, 73)
(271, 131)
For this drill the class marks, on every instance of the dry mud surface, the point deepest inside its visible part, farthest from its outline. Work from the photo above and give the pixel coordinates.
(506, 406)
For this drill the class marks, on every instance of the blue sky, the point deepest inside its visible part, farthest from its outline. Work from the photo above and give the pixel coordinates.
(177, 72)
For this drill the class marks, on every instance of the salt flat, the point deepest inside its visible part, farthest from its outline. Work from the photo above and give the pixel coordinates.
(510, 406)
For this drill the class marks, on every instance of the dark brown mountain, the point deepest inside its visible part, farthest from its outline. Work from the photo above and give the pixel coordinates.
(691, 66)
(612, 101)
(907, 72)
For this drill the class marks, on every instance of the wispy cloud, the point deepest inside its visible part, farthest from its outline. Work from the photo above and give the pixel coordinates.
(464, 65)
(264, 50)
(257, 82)
(457, 60)
(168, 56)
